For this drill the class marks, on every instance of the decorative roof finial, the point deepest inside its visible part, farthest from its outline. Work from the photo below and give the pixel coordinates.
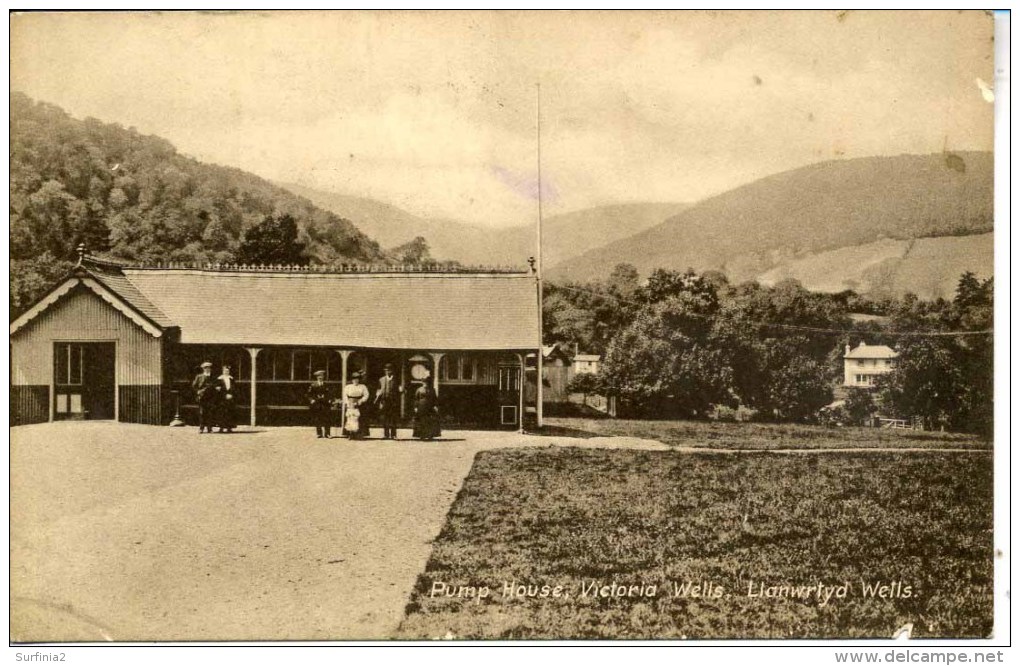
(81, 253)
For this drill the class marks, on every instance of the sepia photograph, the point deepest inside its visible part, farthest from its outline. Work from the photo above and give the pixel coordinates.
(504, 326)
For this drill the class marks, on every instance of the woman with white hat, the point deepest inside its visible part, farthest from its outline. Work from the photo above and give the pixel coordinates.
(356, 394)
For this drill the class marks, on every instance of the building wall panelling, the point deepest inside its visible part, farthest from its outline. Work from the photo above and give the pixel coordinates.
(30, 404)
(140, 404)
(83, 316)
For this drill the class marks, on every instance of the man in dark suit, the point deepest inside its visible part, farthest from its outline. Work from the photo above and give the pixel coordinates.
(204, 386)
(226, 388)
(387, 400)
(320, 402)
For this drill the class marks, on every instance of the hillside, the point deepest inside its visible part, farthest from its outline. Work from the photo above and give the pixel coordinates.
(448, 239)
(565, 236)
(777, 221)
(572, 234)
(134, 197)
(927, 267)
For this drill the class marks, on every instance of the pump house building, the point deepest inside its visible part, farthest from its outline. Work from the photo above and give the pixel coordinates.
(112, 341)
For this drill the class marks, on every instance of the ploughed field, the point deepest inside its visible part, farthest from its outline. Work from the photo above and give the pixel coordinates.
(761, 436)
(594, 543)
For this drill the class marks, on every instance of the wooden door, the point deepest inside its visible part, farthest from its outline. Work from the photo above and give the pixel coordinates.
(84, 380)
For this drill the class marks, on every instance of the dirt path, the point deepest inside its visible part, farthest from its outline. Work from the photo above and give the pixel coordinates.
(643, 444)
(133, 533)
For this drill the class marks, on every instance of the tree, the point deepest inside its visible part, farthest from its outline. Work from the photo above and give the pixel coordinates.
(974, 303)
(795, 386)
(974, 307)
(624, 279)
(586, 383)
(564, 320)
(585, 314)
(663, 364)
(663, 284)
(945, 380)
(412, 252)
(272, 241)
(925, 383)
(784, 373)
(31, 278)
(859, 407)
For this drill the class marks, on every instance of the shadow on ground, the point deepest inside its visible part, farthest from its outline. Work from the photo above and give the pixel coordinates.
(563, 431)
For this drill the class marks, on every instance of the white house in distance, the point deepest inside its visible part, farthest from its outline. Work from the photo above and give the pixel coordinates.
(585, 364)
(863, 363)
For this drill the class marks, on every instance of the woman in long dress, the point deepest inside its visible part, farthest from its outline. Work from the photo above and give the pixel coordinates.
(226, 386)
(426, 412)
(355, 395)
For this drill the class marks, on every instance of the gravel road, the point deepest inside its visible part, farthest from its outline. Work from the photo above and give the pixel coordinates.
(134, 533)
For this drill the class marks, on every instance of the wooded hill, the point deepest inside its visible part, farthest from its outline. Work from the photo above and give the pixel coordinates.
(134, 197)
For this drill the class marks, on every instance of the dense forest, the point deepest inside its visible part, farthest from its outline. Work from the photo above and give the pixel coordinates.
(688, 344)
(134, 197)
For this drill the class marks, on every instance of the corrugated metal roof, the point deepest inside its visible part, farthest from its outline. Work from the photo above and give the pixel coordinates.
(107, 281)
(386, 310)
(871, 351)
(122, 286)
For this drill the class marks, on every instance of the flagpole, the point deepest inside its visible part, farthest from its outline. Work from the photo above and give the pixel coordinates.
(538, 258)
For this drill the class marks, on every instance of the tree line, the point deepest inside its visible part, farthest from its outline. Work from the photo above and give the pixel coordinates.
(690, 345)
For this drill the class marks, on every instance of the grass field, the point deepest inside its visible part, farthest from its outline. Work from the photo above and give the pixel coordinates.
(783, 546)
(761, 436)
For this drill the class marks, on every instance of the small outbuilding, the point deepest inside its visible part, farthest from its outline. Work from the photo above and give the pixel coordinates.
(587, 364)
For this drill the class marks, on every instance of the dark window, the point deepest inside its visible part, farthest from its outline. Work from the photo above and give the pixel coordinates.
(68, 358)
(298, 365)
(457, 368)
(302, 365)
(282, 365)
(267, 365)
(334, 367)
(509, 378)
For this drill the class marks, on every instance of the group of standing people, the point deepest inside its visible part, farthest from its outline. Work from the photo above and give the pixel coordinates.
(216, 405)
(354, 402)
(215, 399)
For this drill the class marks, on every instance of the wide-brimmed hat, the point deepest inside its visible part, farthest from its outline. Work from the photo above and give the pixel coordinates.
(319, 373)
(388, 366)
(207, 364)
(355, 375)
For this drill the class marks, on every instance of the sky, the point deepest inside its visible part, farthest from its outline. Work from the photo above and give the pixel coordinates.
(436, 112)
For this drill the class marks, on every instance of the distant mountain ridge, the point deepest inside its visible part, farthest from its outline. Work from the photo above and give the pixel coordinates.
(564, 236)
(773, 222)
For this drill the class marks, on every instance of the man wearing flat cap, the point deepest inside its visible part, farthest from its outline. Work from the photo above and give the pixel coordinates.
(320, 400)
(204, 386)
(387, 401)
